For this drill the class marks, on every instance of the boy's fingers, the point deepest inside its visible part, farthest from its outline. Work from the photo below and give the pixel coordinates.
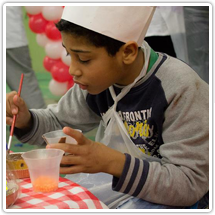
(17, 105)
(71, 159)
(9, 120)
(18, 101)
(77, 135)
(66, 147)
(71, 169)
(14, 109)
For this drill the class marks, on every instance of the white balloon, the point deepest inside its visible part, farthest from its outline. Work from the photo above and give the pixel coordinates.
(52, 13)
(64, 58)
(54, 49)
(57, 88)
(42, 40)
(33, 10)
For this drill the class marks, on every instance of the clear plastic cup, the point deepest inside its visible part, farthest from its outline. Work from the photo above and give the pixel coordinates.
(58, 136)
(44, 167)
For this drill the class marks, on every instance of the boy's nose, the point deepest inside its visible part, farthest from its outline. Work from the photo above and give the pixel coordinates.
(74, 71)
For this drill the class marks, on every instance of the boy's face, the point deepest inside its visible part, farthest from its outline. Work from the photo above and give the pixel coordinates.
(91, 67)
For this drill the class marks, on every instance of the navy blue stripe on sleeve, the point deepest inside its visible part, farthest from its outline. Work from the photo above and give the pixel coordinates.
(143, 178)
(133, 176)
(118, 182)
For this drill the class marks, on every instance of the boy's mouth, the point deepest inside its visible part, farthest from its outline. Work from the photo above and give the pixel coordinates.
(83, 87)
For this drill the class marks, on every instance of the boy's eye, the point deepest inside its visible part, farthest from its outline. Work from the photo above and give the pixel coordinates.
(79, 59)
(83, 61)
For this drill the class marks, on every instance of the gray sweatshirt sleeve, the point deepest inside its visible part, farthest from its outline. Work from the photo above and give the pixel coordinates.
(71, 110)
(182, 177)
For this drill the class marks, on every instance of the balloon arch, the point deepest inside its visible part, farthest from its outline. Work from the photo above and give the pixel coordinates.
(42, 21)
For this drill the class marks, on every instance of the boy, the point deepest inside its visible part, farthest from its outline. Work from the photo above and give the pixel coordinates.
(153, 111)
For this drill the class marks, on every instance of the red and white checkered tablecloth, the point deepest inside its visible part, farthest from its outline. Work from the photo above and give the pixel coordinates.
(69, 195)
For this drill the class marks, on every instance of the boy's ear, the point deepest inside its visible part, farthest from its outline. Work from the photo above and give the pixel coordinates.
(129, 52)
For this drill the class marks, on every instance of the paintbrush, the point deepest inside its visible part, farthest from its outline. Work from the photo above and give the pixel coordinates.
(14, 116)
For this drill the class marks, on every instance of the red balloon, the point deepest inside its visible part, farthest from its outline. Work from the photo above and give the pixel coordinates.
(52, 32)
(37, 23)
(48, 63)
(60, 72)
(29, 15)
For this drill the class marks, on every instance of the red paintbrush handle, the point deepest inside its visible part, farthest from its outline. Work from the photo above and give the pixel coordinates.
(20, 84)
(14, 116)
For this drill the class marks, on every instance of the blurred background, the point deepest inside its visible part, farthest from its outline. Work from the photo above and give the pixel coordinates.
(37, 54)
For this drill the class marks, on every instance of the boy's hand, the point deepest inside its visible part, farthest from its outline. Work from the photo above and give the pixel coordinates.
(89, 156)
(16, 105)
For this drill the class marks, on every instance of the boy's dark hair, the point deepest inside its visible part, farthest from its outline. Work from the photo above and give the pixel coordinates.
(111, 45)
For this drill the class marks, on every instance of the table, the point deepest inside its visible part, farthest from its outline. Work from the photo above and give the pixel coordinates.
(69, 195)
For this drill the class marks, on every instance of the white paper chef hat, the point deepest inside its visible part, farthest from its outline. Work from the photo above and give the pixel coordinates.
(123, 23)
